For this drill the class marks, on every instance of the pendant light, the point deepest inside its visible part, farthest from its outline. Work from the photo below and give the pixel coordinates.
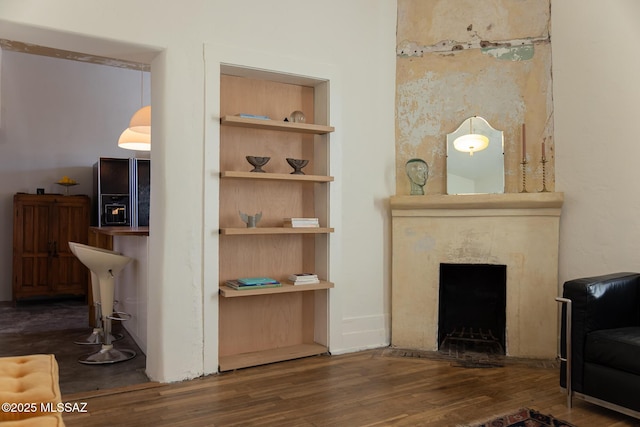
(138, 135)
(471, 142)
(132, 140)
(141, 120)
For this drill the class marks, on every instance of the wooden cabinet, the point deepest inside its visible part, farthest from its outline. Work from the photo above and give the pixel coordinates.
(43, 265)
(269, 325)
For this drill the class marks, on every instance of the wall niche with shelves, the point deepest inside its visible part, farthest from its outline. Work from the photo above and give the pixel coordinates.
(259, 326)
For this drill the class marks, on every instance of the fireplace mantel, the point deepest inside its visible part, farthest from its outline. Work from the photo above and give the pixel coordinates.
(519, 230)
(480, 201)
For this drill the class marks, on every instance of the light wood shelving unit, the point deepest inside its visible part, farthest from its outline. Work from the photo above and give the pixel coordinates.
(228, 292)
(277, 354)
(278, 125)
(276, 176)
(274, 230)
(258, 326)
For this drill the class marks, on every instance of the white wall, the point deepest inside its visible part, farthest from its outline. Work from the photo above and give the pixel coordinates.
(58, 117)
(357, 37)
(596, 93)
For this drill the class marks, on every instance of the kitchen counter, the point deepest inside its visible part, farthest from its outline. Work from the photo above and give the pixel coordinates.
(121, 231)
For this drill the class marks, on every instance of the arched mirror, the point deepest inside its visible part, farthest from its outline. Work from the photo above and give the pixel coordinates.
(475, 158)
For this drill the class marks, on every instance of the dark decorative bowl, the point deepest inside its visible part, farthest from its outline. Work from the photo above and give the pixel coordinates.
(257, 163)
(297, 165)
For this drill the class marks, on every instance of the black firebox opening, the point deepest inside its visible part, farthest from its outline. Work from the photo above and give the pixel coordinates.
(472, 305)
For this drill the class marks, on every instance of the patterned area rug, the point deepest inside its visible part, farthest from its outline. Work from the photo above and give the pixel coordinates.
(524, 418)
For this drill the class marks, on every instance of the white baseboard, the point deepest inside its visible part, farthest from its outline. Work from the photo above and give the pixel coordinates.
(363, 333)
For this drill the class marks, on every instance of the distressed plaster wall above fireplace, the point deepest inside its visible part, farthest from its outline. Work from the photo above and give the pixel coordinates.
(459, 59)
(519, 230)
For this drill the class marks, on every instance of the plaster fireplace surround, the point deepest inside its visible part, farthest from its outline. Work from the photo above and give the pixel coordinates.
(519, 230)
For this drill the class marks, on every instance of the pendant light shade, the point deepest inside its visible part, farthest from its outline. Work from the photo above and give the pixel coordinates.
(132, 140)
(141, 120)
(138, 135)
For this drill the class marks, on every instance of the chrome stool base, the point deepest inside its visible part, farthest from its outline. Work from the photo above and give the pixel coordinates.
(106, 355)
(96, 338)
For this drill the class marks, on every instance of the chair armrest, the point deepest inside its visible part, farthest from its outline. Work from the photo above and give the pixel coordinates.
(601, 302)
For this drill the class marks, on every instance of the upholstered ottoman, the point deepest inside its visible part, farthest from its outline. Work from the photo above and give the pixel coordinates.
(39, 421)
(27, 385)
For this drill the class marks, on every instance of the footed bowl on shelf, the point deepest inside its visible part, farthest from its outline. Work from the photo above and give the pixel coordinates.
(297, 165)
(257, 163)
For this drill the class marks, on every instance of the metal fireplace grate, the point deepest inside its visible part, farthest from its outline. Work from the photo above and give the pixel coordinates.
(473, 347)
(470, 337)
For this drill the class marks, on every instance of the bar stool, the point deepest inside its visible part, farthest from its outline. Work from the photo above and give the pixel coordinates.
(97, 335)
(106, 265)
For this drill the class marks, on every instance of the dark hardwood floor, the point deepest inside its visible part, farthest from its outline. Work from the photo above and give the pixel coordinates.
(370, 388)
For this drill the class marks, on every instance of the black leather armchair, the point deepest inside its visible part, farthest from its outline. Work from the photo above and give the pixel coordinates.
(602, 337)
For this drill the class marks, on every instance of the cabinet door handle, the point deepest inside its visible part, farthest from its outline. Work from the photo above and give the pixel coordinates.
(49, 246)
(55, 249)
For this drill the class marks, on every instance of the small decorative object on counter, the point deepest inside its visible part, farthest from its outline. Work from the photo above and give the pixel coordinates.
(250, 220)
(297, 117)
(297, 165)
(257, 163)
(418, 172)
(67, 182)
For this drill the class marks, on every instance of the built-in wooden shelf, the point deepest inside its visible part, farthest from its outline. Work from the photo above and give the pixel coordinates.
(275, 230)
(275, 176)
(260, 326)
(244, 360)
(275, 125)
(228, 292)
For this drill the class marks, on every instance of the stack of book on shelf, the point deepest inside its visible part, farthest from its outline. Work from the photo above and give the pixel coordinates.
(301, 222)
(253, 283)
(253, 116)
(304, 278)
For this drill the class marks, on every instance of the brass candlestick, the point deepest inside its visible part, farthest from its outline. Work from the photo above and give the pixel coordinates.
(523, 163)
(544, 175)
